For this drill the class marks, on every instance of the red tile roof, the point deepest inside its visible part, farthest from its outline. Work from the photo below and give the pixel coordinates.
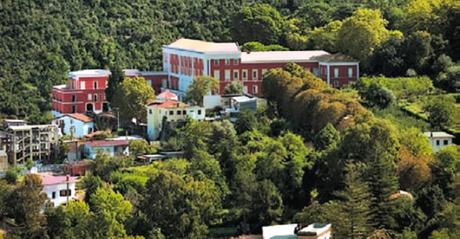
(51, 180)
(81, 117)
(106, 143)
(168, 104)
(167, 95)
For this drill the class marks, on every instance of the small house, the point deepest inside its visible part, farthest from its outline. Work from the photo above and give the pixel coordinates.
(59, 189)
(77, 125)
(439, 139)
(109, 147)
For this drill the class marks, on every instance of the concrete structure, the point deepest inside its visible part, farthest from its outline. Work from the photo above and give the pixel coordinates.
(439, 140)
(279, 232)
(29, 142)
(186, 59)
(84, 92)
(315, 231)
(296, 231)
(160, 111)
(59, 189)
(77, 125)
(109, 147)
(13, 122)
(240, 103)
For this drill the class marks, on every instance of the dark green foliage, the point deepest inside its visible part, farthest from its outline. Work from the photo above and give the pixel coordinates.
(328, 137)
(377, 95)
(235, 87)
(440, 111)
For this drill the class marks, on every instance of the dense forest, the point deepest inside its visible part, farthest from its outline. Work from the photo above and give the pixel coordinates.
(42, 40)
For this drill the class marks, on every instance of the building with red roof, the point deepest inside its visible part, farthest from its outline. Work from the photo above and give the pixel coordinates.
(59, 189)
(76, 125)
(112, 148)
(84, 92)
(169, 111)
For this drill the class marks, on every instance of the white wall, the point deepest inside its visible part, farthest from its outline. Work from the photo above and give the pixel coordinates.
(81, 128)
(56, 188)
(440, 142)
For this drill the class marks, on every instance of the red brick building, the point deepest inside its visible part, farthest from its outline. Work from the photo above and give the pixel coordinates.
(84, 91)
(186, 59)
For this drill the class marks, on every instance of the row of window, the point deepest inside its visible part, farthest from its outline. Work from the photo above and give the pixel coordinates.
(350, 72)
(236, 74)
(227, 62)
(62, 193)
(445, 142)
(178, 112)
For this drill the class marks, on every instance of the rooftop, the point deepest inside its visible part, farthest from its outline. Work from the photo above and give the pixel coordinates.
(28, 127)
(78, 116)
(52, 180)
(106, 143)
(281, 56)
(438, 134)
(167, 95)
(242, 99)
(315, 229)
(279, 231)
(168, 104)
(89, 73)
(204, 46)
(136, 72)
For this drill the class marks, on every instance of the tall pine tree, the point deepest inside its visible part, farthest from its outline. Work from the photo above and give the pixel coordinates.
(355, 205)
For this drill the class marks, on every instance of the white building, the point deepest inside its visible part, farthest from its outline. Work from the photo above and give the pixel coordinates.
(315, 231)
(160, 111)
(439, 140)
(59, 189)
(77, 125)
(297, 231)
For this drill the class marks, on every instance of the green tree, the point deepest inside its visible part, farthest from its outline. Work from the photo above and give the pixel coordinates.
(26, 203)
(141, 147)
(326, 37)
(201, 86)
(115, 80)
(418, 50)
(328, 137)
(441, 111)
(267, 205)
(91, 183)
(258, 22)
(257, 46)
(362, 33)
(130, 99)
(355, 204)
(110, 211)
(449, 79)
(70, 221)
(246, 121)
(235, 87)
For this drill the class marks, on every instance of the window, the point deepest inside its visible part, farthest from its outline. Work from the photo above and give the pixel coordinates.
(95, 97)
(71, 121)
(65, 193)
(227, 75)
(184, 112)
(336, 72)
(437, 142)
(350, 72)
(217, 74)
(245, 74)
(235, 61)
(53, 195)
(216, 62)
(199, 112)
(179, 112)
(171, 112)
(74, 109)
(254, 74)
(227, 62)
(236, 75)
(90, 96)
(254, 89)
(95, 85)
(446, 142)
(150, 111)
(82, 85)
(74, 98)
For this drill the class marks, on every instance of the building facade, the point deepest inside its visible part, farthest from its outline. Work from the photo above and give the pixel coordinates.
(185, 59)
(84, 92)
(439, 140)
(77, 125)
(110, 147)
(59, 189)
(170, 111)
